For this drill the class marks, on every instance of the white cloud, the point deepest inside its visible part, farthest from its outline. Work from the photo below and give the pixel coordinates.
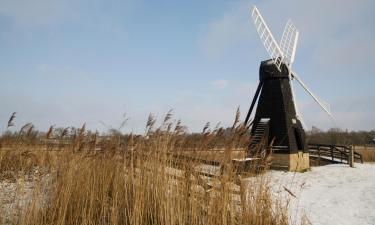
(329, 30)
(62, 72)
(230, 30)
(31, 13)
(354, 113)
(220, 84)
(47, 13)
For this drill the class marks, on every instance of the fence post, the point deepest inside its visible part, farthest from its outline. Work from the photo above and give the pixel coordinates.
(351, 156)
(332, 152)
(319, 154)
(341, 156)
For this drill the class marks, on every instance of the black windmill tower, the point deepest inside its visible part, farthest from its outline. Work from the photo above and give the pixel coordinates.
(277, 118)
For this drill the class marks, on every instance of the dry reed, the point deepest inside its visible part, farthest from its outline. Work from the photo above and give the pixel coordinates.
(368, 153)
(137, 179)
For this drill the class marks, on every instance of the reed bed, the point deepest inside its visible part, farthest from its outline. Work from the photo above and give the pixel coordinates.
(134, 179)
(368, 153)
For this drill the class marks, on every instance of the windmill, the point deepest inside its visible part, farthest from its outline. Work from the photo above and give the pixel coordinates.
(277, 116)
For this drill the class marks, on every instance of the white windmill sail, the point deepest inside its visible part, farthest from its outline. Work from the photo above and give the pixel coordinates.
(267, 38)
(288, 43)
(325, 106)
(298, 113)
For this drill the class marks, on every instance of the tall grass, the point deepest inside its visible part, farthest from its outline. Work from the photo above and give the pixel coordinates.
(137, 179)
(367, 152)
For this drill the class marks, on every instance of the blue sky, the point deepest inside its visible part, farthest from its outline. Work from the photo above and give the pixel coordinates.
(72, 61)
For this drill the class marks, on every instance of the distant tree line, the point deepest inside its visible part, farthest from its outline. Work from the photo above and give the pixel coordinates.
(218, 137)
(339, 136)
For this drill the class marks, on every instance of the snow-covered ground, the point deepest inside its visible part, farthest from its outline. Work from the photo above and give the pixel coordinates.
(326, 195)
(330, 195)
(17, 191)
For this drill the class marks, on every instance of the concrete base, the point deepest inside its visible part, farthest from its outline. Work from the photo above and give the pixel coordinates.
(292, 162)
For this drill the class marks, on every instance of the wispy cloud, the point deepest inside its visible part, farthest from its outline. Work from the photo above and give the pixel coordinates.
(220, 84)
(62, 72)
(226, 32)
(33, 13)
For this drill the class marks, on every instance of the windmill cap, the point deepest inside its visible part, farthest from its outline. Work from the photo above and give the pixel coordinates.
(268, 70)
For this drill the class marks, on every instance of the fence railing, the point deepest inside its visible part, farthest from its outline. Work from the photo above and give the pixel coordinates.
(335, 153)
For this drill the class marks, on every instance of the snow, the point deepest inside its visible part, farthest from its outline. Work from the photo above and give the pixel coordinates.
(16, 192)
(14, 195)
(334, 194)
(329, 195)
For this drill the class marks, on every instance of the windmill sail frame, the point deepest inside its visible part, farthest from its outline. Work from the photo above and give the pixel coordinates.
(269, 42)
(288, 45)
(288, 42)
(324, 105)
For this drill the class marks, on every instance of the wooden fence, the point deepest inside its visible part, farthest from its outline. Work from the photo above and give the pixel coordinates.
(334, 153)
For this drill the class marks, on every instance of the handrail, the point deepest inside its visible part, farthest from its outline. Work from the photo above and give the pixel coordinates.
(336, 152)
